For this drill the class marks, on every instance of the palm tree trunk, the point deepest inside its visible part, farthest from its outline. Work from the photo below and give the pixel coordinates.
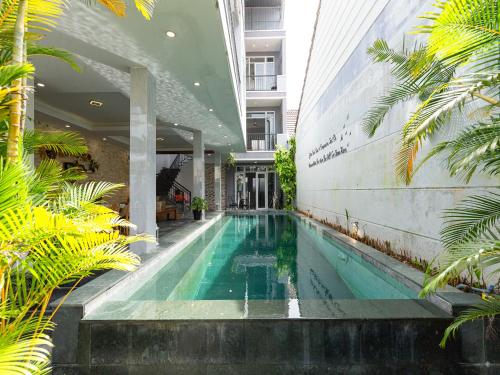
(18, 97)
(24, 92)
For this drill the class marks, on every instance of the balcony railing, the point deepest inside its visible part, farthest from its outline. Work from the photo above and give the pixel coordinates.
(262, 83)
(263, 18)
(261, 141)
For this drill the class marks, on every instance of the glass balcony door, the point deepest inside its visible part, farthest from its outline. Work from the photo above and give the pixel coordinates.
(261, 73)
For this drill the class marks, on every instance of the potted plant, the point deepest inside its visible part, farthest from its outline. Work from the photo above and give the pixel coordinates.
(198, 205)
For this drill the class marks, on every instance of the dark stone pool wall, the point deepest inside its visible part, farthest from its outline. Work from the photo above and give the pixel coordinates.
(269, 347)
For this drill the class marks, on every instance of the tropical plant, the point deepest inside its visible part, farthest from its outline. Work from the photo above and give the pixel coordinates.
(231, 160)
(284, 162)
(456, 79)
(199, 204)
(52, 232)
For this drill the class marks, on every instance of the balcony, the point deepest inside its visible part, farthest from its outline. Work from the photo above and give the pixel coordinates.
(262, 83)
(263, 18)
(261, 141)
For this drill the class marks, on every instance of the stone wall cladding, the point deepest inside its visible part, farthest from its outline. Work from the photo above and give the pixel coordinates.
(210, 186)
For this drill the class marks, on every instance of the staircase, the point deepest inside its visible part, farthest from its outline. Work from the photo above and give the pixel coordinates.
(166, 184)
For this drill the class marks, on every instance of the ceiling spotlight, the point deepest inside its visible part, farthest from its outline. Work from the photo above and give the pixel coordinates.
(220, 125)
(40, 84)
(229, 144)
(267, 45)
(197, 84)
(170, 34)
(175, 124)
(225, 136)
(160, 139)
(95, 103)
(253, 45)
(67, 126)
(105, 139)
(210, 110)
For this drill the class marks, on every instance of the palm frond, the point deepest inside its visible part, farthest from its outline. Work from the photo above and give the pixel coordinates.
(117, 7)
(418, 76)
(57, 53)
(145, 7)
(461, 28)
(13, 189)
(473, 218)
(23, 356)
(475, 147)
(63, 143)
(487, 309)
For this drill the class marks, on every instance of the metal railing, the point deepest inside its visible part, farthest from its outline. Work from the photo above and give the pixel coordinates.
(262, 83)
(261, 141)
(263, 18)
(179, 194)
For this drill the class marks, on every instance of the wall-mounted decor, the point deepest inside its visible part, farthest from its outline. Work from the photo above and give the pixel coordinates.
(84, 163)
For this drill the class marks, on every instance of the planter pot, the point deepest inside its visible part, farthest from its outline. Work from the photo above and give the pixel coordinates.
(197, 214)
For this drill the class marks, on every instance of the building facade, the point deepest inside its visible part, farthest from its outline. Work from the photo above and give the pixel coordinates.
(344, 176)
(252, 183)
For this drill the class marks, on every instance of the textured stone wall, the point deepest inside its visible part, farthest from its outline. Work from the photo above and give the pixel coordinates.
(210, 186)
(113, 162)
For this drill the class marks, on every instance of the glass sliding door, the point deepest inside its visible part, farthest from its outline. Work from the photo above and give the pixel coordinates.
(261, 191)
(255, 187)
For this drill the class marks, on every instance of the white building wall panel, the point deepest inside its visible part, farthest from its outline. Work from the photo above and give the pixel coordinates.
(341, 85)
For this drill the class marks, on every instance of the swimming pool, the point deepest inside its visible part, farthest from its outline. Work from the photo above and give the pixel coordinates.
(263, 258)
(276, 291)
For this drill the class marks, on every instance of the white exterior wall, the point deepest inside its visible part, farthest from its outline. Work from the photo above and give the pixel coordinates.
(341, 85)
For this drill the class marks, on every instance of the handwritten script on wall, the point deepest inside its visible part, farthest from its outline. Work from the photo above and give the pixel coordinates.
(334, 146)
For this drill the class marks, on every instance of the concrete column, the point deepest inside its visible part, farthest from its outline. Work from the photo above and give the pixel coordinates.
(143, 154)
(198, 165)
(218, 181)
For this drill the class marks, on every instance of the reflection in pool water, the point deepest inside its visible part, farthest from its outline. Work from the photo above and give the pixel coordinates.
(268, 257)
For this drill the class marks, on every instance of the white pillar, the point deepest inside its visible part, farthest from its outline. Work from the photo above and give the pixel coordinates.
(198, 165)
(143, 154)
(218, 181)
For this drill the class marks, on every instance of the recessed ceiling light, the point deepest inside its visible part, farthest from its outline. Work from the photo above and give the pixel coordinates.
(220, 125)
(67, 126)
(175, 124)
(255, 162)
(95, 103)
(160, 139)
(225, 136)
(40, 84)
(170, 34)
(253, 45)
(210, 110)
(229, 144)
(267, 45)
(105, 139)
(197, 84)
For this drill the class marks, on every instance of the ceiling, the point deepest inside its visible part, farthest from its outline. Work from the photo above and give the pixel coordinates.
(263, 44)
(107, 46)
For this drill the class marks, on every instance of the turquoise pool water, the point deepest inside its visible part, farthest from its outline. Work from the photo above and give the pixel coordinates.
(268, 257)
